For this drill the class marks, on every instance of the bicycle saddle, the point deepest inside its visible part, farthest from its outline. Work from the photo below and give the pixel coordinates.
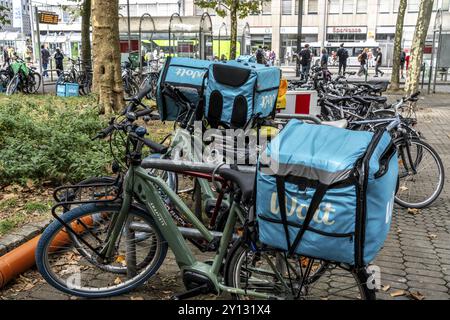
(244, 180)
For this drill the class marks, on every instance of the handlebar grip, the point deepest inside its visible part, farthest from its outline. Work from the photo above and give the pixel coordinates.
(414, 95)
(143, 113)
(104, 133)
(156, 147)
(141, 94)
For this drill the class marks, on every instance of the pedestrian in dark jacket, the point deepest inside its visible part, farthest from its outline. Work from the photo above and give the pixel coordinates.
(324, 65)
(305, 60)
(45, 58)
(378, 61)
(59, 58)
(342, 54)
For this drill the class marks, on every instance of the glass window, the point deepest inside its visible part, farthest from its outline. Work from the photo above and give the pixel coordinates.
(413, 5)
(313, 6)
(445, 5)
(347, 6)
(286, 7)
(361, 6)
(334, 6)
(396, 5)
(267, 7)
(296, 7)
(384, 6)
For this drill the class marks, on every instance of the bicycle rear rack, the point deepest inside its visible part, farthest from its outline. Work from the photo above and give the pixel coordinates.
(79, 194)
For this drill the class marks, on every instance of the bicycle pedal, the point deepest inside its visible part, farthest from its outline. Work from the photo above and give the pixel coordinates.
(204, 288)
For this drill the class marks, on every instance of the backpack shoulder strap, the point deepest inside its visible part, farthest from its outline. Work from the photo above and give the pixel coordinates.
(282, 204)
(321, 189)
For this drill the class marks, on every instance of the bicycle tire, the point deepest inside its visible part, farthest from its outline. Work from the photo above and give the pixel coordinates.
(73, 215)
(423, 146)
(360, 276)
(36, 83)
(13, 85)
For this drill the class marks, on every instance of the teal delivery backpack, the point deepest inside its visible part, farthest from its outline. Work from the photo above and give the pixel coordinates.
(326, 192)
(237, 91)
(185, 74)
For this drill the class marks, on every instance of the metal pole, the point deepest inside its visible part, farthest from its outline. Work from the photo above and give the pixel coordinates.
(129, 26)
(38, 35)
(140, 39)
(33, 40)
(438, 56)
(299, 35)
(431, 62)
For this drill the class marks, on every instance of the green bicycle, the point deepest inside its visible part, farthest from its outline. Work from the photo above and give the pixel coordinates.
(113, 244)
(23, 78)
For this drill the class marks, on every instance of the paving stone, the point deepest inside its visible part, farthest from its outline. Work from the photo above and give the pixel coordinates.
(434, 261)
(430, 294)
(422, 266)
(425, 279)
(429, 286)
(390, 259)
(422, 272)
(393, 271)
(11, 241)
(430, 249)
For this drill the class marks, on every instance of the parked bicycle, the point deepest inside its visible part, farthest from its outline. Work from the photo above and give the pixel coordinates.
(114, 242)
(23, 78)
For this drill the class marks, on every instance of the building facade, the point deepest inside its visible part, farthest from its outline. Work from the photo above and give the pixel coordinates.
(18, 32)
(327, 23)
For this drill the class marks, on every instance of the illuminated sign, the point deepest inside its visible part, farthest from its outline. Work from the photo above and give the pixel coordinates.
(48, 17)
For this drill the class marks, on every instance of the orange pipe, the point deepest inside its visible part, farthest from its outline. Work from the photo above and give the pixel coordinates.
(22, 258)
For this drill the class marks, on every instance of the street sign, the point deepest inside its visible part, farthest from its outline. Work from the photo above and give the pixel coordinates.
(46, 17)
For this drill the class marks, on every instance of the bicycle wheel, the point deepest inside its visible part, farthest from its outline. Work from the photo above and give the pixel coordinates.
(13, 85)
(34, 82)
(4, 78)
(73, 267)
(130, 88)
(421, 174)
(302, 278)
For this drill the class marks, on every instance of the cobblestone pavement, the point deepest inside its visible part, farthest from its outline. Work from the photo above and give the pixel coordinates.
(416, 255)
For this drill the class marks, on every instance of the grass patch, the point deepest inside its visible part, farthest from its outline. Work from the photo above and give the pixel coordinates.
(9, 203)
(36, 206)
(10, 223)
(48, 139)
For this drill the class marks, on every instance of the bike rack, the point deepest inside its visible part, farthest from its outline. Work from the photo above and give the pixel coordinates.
(140, 36)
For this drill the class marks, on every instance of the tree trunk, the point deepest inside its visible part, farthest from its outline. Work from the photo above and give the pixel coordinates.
(395, 77)
(420, 34)
(86, 34)
(233, 21)
(107, 80)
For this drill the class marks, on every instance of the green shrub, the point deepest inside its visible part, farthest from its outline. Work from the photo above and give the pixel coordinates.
(46, 138)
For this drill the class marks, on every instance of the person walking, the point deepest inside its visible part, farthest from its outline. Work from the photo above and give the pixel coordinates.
(59, 58)
(378, 61)
(272, 58)
(6, 58)
(305, 61)
(342, 54)
(260, 55)
(324, 65)
(362, 58)
(407, 59)
(28, 55)
(45, 59)
(402, 63)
